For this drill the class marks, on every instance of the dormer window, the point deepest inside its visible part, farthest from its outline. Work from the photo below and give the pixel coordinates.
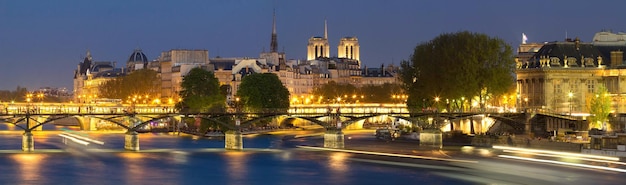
(555, 61)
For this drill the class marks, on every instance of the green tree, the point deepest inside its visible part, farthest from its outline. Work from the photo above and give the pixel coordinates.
(138, 83)
(201, 92)
(385, 93)
(458, 66)
(600, 108)
(19, 95)
(332, 90)
(263, 91)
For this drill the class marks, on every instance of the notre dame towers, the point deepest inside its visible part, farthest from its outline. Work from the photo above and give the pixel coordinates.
(318, 47)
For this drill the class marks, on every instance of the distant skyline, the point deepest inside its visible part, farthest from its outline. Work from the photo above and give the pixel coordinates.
(42, 42)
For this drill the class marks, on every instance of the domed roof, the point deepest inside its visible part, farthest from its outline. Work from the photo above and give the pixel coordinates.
(138, 57)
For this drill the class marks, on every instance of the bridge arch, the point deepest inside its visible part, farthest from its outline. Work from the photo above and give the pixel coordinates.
(151, 119)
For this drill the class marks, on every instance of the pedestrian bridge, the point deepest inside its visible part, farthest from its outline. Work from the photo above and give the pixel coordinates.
(333, 121)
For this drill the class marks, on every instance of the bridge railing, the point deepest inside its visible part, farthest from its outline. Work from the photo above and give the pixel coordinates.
(554, 114)
(360, 108)
(77, 108)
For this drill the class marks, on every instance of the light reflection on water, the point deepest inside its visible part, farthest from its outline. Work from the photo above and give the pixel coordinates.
(236, 164)
(181, 166)
(28, 165)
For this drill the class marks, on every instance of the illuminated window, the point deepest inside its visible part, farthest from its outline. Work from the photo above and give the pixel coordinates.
(573, 86)
(590, 86)
(557, 89)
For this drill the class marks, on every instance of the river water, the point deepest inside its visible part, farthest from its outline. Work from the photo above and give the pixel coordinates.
(173, 159)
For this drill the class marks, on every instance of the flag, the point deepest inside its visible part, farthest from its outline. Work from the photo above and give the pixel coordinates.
(524, 38)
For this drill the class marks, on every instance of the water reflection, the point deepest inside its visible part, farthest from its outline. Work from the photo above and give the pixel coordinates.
(236, 164)
(133, 170)
(29, 165)
(337, 161)
(179, 157)
(338, 164)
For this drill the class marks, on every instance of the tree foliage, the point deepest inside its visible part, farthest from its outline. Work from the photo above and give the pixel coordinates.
(140, 82)
(263, 91)
(456, 65)
(351, 94)
(332, 90)
(200, 92)
(19, 95)
(600, 108)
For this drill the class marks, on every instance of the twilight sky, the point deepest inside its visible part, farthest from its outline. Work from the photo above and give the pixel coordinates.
(42, 42)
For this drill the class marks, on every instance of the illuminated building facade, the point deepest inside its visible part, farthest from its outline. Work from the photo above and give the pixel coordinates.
(318, 47)
(174, 64)
(90, 74)
(349, 48)
(299, 77)
(563, 77)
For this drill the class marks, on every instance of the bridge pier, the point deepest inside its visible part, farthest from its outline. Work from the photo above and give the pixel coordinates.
(527, 124)
(431, 138)
(92, 124)
(334, 139)
(28, 142)
(131, 141)
(233, 140)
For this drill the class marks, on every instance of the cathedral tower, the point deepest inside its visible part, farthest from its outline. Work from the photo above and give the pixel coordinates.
(318, 46)
(348, 48)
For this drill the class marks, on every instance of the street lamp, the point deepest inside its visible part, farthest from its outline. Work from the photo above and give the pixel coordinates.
(236, 105)
(437, 103)
(462, 103)
(40, 96)
(570, 95)
(526, 102)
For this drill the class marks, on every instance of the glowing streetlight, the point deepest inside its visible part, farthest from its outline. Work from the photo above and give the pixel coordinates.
(526, 101)
(437, 103)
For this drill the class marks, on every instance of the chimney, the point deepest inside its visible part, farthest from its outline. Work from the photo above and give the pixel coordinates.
(616, 58)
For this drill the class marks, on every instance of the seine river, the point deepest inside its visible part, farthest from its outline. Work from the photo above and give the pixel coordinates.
(171, 159)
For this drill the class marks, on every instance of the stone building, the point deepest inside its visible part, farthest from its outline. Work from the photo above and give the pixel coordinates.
(136, 61)
(174, 64)
(318, 47)
(90, 74)
(563, 77)
(349, 48)
(299, 77)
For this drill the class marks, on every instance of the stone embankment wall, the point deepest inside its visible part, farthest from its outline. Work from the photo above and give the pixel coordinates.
(517, 141)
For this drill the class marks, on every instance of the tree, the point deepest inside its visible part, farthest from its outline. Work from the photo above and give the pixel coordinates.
(600, 108)
(385, 93)
(350, 94)
(332, 90)
(458, 66)
(263, 91)
(201, 92)
(138, 83)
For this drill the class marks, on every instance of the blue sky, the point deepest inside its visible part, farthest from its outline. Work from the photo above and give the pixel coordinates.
(42, 42)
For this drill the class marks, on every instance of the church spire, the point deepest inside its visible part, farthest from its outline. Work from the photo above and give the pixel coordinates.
(325, 29)
(274, 42)
(88, 54)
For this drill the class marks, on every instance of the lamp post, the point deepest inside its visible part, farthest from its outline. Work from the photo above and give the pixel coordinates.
(437, 103)
(526, 102)
(463, 104)
(570, 95)
(238, 114)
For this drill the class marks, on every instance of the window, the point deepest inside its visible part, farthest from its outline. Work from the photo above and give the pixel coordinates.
(590, 86)
(557, 89)
(573, 86)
